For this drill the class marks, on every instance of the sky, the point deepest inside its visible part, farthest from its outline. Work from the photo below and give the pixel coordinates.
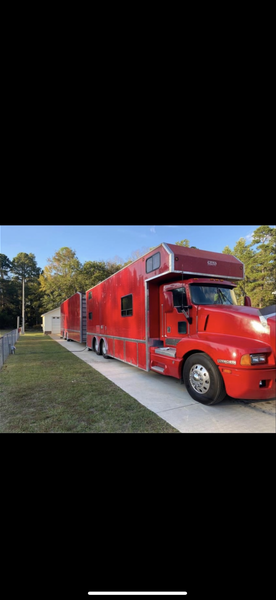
(113, 242)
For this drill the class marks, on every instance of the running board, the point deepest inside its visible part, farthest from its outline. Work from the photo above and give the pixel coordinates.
(168, 351)
(158, 369)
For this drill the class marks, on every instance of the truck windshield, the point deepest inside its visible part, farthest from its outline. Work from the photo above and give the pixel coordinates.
(212, 294)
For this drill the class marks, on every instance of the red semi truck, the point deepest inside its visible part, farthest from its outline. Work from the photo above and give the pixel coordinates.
(174, 311)
(73, 318)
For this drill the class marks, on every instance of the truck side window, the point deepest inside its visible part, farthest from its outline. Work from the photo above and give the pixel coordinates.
(179, 298)
(126, 306)
(182, 327)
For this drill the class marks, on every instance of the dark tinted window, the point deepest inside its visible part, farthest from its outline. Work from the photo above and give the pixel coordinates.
(182, 327)
(153, 262)
(126, 306)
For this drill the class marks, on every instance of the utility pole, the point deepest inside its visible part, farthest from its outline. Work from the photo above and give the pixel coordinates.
(23, 306)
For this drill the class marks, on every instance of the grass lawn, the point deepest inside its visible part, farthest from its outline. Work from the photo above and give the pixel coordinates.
(46, 389)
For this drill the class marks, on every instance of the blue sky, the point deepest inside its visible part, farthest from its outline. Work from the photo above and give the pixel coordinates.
(113, 241)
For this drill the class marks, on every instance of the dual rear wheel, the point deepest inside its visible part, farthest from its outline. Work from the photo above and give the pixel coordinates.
(100, 347)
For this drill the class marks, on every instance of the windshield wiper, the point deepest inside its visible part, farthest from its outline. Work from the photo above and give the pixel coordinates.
(223, 296)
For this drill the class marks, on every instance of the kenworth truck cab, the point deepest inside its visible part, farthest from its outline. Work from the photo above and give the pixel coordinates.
(216, 346)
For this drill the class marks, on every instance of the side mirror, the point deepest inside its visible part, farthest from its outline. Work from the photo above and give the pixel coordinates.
(247, 301)
(168, 302)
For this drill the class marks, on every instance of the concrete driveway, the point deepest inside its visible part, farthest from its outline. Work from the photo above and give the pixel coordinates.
(169, 399)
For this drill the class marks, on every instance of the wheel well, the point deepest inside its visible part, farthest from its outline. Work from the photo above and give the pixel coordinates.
(190, 353)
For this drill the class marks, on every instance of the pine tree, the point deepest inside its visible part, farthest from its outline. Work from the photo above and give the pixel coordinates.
(7, 314)
(25, 270)
(245, 254)
(259, 258)
(264, 274)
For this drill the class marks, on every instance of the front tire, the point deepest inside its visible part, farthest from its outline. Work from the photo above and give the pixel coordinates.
(203, 379)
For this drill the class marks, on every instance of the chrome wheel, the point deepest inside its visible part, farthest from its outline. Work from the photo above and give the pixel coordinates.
(199, 379)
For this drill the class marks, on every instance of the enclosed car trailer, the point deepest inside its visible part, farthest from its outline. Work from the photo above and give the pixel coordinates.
(73, 318)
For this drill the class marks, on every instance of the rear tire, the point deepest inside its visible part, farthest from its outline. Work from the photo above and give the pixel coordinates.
(104, 349)
(98, 347)
(203, 379)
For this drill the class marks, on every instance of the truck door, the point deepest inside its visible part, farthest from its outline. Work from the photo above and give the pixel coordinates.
(174, 324)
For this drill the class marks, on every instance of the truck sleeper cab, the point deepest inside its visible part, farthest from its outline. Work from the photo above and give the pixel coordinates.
(174, 311)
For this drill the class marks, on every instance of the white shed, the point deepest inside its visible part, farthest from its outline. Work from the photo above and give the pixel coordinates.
(51, 321)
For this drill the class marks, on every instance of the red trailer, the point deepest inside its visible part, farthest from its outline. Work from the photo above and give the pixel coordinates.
(174, 311)
(73, 318)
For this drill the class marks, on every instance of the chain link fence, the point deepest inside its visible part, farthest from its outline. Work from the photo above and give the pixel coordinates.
(7, 345)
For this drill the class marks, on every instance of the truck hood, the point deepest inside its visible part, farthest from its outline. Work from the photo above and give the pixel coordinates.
(243, 321)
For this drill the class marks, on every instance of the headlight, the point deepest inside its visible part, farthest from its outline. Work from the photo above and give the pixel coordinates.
(253, 359)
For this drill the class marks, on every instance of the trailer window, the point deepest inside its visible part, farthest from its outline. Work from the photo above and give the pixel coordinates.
(153, 262)
(89, 295)
(90, 316)
(126, 306)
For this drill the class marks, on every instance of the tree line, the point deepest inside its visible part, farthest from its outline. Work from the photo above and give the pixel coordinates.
(65, 274)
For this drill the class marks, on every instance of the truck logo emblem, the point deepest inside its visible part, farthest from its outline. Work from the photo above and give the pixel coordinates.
(212, 262)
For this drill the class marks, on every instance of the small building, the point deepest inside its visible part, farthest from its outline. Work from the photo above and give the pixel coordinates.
(51, 321)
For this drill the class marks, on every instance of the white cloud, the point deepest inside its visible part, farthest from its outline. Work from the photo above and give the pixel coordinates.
(152, 230)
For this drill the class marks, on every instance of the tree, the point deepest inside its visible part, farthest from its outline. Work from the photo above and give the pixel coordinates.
(245, 254)
(33, 305)
(24, 268)
(65, 275)
(137, 254)
(7, 295)
(184, 243)
(92, 272)
(259, 258)
(59, 279)
(5, 267)
(264, 279)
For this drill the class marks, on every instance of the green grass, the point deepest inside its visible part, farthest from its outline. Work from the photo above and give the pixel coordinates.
(46, 389)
